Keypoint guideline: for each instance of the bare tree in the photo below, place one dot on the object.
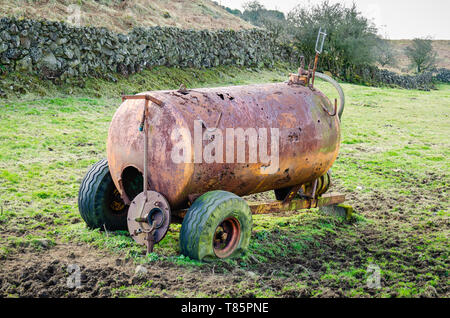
(252, 5)
(421, 54)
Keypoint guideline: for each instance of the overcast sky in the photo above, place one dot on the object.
(396, 19)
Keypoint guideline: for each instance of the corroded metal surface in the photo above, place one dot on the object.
(148, 215)
(296, 204)
(309, 138)
(328, 199)
(226, 238)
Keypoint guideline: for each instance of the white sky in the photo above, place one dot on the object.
(396, 19)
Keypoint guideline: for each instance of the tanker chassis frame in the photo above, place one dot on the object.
(329, 203)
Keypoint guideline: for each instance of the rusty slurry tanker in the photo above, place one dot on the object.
(157, 170)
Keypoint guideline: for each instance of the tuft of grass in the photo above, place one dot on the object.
(77, 94)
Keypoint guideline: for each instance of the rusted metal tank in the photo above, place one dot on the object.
(309, 139)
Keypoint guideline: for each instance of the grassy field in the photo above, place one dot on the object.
(393, 166)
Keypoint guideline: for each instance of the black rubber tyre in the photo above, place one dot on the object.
(280, 194)
(99, 202)
(210, 216)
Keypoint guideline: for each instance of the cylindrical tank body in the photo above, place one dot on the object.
(308, 142)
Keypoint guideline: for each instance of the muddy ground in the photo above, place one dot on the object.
(47, 273)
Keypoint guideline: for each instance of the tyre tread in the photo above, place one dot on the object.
(89, 196)
(198, 215)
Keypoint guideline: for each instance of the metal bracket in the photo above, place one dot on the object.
(318, 49)
(320, 35)
(335, 109)
(183, 90)
(146, 97)
(294, 190)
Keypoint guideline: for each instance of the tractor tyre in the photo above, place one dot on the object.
(218, 224)
(99, 202)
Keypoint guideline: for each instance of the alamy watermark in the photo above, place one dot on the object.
(374, 276)
(190, 149)
(74, 279)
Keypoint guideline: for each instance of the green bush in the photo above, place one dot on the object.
(351, 38)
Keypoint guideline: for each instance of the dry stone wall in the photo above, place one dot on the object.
(58, 50)
(55, 49)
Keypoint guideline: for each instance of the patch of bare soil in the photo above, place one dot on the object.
(54, 273)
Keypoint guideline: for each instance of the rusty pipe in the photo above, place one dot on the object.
(316, 60)
(338, 87)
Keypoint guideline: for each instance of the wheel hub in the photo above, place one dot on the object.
(226, 237)
(148, 217)
(117, 205)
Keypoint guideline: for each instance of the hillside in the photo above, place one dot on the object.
(123, 15)
(442, 48)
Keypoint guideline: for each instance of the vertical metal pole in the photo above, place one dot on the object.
(314, 69)
(313, 194)
(145, 149)
(318, 49)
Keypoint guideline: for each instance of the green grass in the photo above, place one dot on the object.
(94, 91)
(393, 165)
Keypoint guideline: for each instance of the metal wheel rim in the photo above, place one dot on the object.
(224, 246)
(117, 205)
